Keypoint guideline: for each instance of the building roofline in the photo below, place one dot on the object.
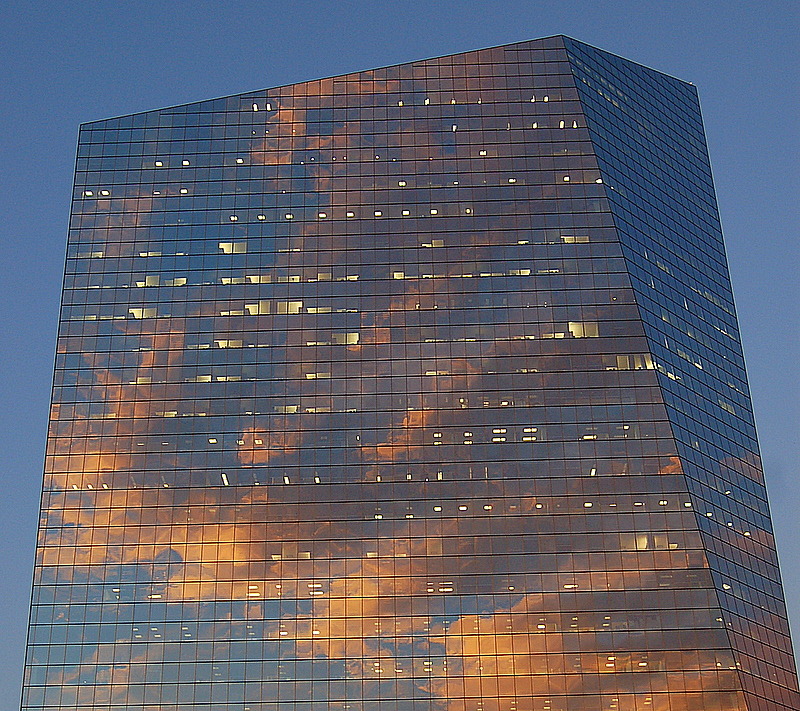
(385, 66)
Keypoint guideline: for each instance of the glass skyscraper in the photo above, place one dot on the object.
(414, 389)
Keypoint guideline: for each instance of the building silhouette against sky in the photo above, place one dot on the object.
(417, 388)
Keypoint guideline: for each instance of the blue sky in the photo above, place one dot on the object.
(65, 63)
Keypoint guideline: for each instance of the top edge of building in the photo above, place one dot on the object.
(562, 42)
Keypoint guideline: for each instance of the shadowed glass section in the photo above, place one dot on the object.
(648, 134)
(356, 408)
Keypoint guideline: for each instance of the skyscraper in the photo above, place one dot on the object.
(417, 388)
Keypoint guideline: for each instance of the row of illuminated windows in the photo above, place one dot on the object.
(543, 409)
(436, 85)
(509, 217)
(469, 255)
(653, 479)
(314, 443)
(523, 249)
(472, 214)
(306, 122)
(250, 165)
(156, 470)
(630, 551)
(488, 231)
(483, 409)
(497, 364)
(476, 433)
(498, 230)
(217, 411)
(678, 581)
(480, 170)
(411, 570)
(400, 308)
(419, 173)
(536, 179)
(210, 211)
(338, 691)
(340, 695)
(561, 277)
(553, 288)
(356, 122)
(674, 652)
(234, 621)
(158, 682)
(499, 101)
(200, 402)
(553, 284)
(560, 140)
(563, 140)
(461, 307)
(104, 506)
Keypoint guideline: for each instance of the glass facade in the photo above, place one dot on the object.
(417, 388)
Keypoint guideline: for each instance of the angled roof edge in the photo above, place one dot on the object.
(173, 107)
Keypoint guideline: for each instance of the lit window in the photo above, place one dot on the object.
(402, 183)
(185, 162)
(351, 214)
(88, 193)
(535, 124)
(378, 213)
(322, 215)
(289, 216)
(255, 107)
(406, 213)
(262, 217)
(233, 247)
(240, 160)
(233, 218)
(159, 164)
(481, 153)
(184, 191)
(566, 178)
(583, 329)
(434, 212)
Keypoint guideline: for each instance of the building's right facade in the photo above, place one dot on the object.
(647, 135)
(416, 389)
